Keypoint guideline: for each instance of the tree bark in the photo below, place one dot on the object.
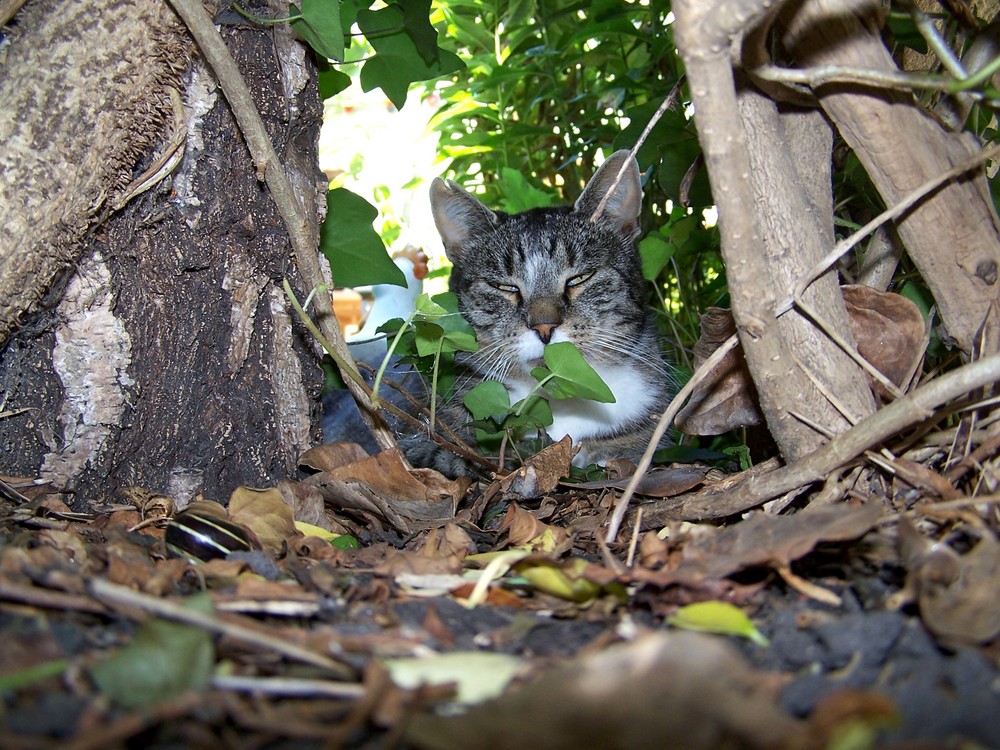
(952, 235)
(171, 361)
(772, 222)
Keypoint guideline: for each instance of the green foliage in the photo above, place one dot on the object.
(356, 253)
(164, 660)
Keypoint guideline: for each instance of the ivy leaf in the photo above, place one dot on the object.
(398, 61)
(655, 251)
(567, 375)
(519, 194)
(164, 660)
(320, 27)
(416, 19)
(487, 399)
(356, 253)
(331, 80)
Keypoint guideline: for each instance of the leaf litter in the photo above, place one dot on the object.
(375, 605)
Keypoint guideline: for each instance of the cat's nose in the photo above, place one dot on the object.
(544, 331)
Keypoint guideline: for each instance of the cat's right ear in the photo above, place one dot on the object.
(459, 216)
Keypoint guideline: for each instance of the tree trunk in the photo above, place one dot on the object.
(171, 361)
(773, 222)
(952, 234)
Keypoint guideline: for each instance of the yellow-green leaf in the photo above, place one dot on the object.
(717, 617)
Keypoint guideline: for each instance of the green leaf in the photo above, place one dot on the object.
(487, 399)
(519, 194)
(428, 337)
(398, 61)
(356, 253)
(331, 80)
(320, 27)
(572, 375)
(717, 617)
(416, 19)
(164, 660)
(655, 252)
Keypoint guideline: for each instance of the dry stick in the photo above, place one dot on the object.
(661, 428)
(667, 103)
(122, 596)
(912, 409)
(217, 55)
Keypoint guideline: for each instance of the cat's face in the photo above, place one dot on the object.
(547, 275)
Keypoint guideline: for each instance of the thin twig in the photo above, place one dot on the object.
(122, 596)
(661, 428)
(667, 103)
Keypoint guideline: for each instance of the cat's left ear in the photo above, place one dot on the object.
(625, 200)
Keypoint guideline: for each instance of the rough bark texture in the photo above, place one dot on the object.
(78, 112)
(171, 361)
(952, 235)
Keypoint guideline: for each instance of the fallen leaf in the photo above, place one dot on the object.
(526, 531)
(541, 473)
(330, 456)
(265, 513)
(477, 675)
(164, 660)
(725, 399)
(889, 332)
(764, 539)
(717, 617)
(561, 580)
(956, 594)
(382, 486)
(664, 481)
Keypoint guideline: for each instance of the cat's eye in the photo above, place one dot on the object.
(507, 288)
(578, 279)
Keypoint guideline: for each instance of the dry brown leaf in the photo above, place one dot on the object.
(957, 594)
(725, 399)
(692, 691)
(382, 486)
(265, 513)
(330, 456)
(524, 530)
(306, 503)
(763, 539)
(541, 473)
(450, 540)
(888, 331)
(666, 481)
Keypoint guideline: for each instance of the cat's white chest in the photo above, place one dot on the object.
(582, 419)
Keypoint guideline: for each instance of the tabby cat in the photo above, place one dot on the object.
(549, 275)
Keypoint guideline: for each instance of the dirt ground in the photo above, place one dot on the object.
(523, 629)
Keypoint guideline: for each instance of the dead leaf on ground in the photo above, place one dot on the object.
(888, 329)
(889, 332)
(725, 399)
(664, 481)
(330, 456)
(957, 594)
(541, 473)
(382, 486)
(692, 691)
(265, 513)
(524, 530)
(763, 539)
